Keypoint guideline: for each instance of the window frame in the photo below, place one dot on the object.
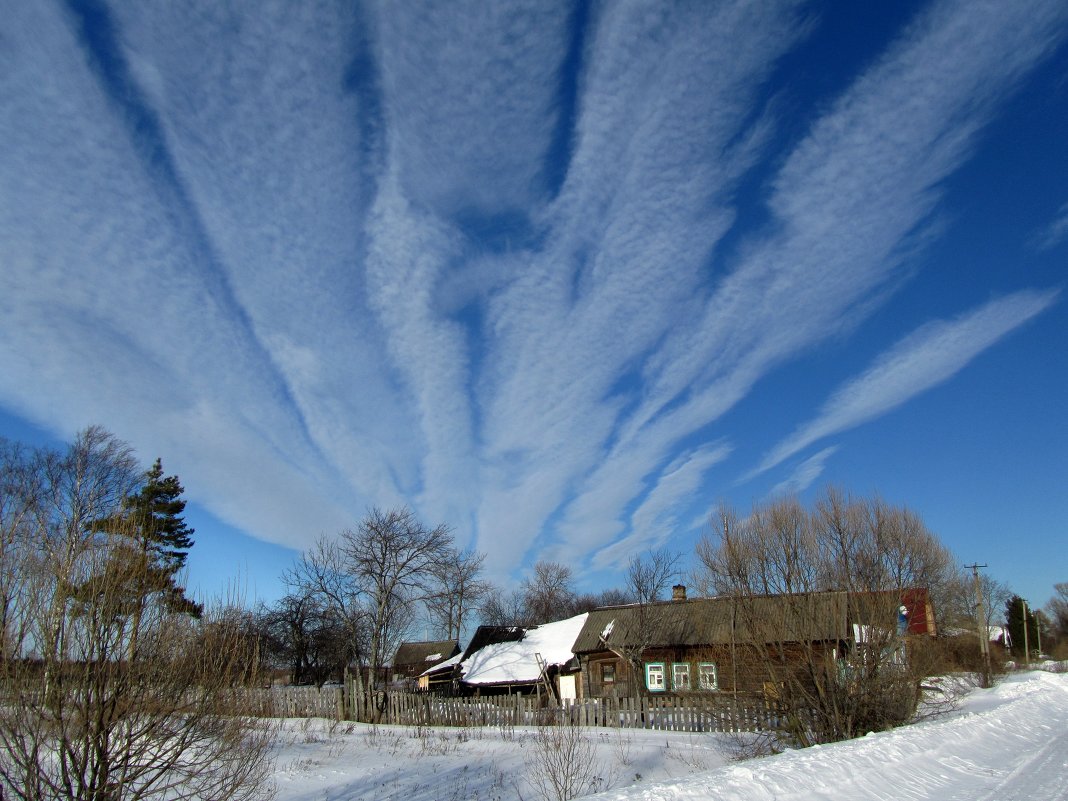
(715, 676)
(656, 667)
(675, 676)
(608, 673)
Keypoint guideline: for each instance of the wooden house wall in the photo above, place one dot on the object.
(741, 669)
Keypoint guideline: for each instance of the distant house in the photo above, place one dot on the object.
(514, 660)
(415, 658)
(717, 644)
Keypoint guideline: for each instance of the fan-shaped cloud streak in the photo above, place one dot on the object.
(517, 264)
(922, 360)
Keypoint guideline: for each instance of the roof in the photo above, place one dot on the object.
(424, 653)
(516, 660)
(443, 667)
(801, 617)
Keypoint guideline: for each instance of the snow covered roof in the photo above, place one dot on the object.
(516, 661)
(441, 666)
(417, 654)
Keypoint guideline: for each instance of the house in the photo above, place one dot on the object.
(415, 658)
(721, 644)
(515, 660)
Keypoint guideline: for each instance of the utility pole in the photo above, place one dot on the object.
(1027, 646)
(983, 631)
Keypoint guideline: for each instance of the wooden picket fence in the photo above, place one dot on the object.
(685, 713)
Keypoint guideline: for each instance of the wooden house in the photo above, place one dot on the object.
(413, 659)
(506, 660)
(711, 645)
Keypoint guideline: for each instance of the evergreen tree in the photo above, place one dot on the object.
(148, 541)
(1014, 621)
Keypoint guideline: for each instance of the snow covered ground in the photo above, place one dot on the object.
(1007, 743)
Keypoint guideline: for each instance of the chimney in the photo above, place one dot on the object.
(678, 592)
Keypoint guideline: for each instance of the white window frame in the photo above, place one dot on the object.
(655, 668)
(702, 671)
(675, 672)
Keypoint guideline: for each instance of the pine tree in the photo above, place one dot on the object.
(148, 541)
(1014, 621)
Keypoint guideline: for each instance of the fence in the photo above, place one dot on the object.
(692, 713)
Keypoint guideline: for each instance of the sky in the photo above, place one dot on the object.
(563, 276)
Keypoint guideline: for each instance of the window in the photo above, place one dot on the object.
(608, 673)
(706, 676)
(680, 676)
(654, 677)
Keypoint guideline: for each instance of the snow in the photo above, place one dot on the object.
(505, 662)
(448, 663)
(1007, 743)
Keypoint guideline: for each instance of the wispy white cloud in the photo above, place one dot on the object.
(805, 474)
(466, 256)
(1055, 232)
(924, 359)
(846, 203)
(663, 135)
(657, 518)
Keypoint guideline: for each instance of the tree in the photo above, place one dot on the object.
(1057, 609)
(650, 574)
(301, 634)
(373, 576)
(501, 608)
(151, 540)
(456, 591)
(393, 557)
(1022, 625)
(81, 716)
(864, 551)
(324, 593)
(548, 593)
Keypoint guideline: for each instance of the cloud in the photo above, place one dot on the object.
(804, 475)
(492, 260)
(927, 357)
(847, 203)
(657, 518)
(1054, 233)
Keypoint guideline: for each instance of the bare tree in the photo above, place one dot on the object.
(548, 592)
(323, 580)
(303, 635)
(650, 574)
(501, 608)
(1058, 608)
(373, 577)
(393, 557)
(801, 580)
(81, 717)
(456, 591)
(562, 763)
(20, 495)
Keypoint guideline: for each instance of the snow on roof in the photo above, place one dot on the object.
(608, 629)
(448, 663)
(433, 657)
(506, 662)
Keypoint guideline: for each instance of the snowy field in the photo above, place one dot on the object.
(1007, 743)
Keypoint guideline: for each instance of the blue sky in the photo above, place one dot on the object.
(562, 275)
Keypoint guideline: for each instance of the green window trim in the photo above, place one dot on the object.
(655, 670)
(676, 683)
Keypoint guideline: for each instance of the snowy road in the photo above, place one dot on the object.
(1011, 743)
